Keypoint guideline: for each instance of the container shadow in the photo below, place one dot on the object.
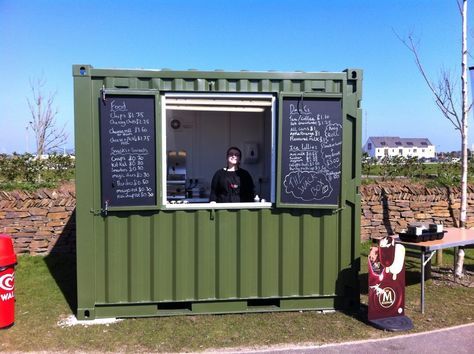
(349, 286)
(61, 263)
(364, 283)
(352, 308)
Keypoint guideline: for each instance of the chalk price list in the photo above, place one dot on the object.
(130, 137)
(313, 153)
(306, 139)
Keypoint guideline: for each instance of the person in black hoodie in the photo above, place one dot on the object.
(232, 184)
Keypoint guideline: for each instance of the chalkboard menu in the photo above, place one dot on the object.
(127, 143)
(311, 131)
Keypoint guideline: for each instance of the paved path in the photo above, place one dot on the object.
(459, 339)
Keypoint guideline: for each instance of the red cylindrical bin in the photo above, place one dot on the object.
(7, 282)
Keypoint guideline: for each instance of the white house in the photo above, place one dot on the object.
(390, 146)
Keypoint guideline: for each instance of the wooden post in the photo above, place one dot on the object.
(439, 257)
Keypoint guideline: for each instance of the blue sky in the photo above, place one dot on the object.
(45, 38)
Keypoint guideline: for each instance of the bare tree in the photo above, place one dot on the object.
(43, 123)
(445, 95)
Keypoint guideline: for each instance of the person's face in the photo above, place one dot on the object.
(233, 157)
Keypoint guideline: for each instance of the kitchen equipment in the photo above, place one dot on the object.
(176, 176)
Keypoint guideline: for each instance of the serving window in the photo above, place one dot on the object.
(197, 130)
(162, 151)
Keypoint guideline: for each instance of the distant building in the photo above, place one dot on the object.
(391, 146)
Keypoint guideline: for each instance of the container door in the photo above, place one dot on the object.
(129, 150)
(310, 138)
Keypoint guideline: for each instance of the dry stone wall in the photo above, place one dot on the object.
(43, 222)
(40, 222)
(387, 208)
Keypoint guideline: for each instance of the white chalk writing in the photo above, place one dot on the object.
(130, 140)
(313, 142)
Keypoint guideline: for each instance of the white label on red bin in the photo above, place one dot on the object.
(7, 282)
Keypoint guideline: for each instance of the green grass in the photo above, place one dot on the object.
(428, 169)
(26, 186)
(33, 186)
(45, 294)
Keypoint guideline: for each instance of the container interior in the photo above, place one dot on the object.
(198, 130)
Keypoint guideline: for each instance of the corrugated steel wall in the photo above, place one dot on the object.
(184, 255)
(134, 263)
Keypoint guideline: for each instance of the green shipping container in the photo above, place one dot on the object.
(148, 142)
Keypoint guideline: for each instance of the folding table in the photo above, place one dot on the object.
(452, 238)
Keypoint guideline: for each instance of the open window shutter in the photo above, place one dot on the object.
(128, 145)
(310, 141)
